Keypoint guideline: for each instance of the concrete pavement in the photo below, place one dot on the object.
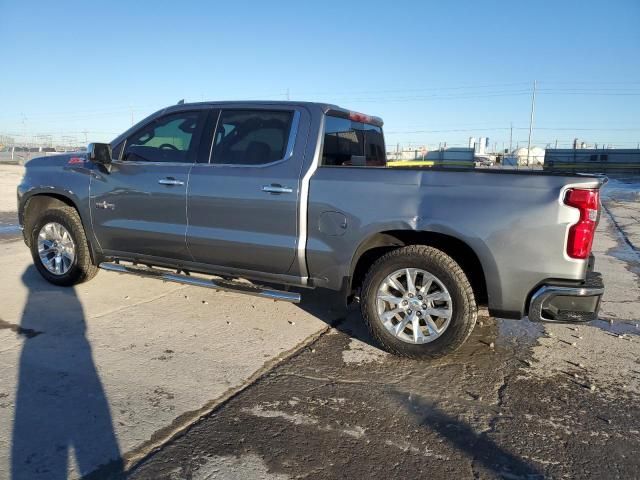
(119, 364)
(10, 176)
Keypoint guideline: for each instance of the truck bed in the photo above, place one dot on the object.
(514, 221)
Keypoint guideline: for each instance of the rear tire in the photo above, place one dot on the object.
(76, 265)
(437, 303)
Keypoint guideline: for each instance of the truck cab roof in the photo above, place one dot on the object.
(327, 108)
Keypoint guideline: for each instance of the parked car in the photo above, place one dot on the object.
(298, 194)
(484, 162)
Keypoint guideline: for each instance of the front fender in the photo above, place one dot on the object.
(55, 178)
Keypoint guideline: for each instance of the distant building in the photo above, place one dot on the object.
(519, 157)
(480, 146)
(593, 159)
(6, 140)
(408, 153)
(443, 157)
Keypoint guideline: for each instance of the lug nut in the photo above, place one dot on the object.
(411, 295)
(404, 302)
(419, 297)
(409, 312)
(419, 313)
(424, 306)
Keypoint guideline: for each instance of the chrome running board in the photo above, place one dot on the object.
(216, 284)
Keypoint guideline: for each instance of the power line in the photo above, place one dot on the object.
(490, 129)
(599, 94)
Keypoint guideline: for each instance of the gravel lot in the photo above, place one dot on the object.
(188, 383)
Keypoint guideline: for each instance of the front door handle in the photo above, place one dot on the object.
(276, 188)
(170, 181)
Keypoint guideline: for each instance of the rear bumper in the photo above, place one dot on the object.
(568, 304)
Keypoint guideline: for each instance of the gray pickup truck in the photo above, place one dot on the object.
(239, 195)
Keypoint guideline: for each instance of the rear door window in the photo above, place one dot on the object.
(170, 139)
(352, 144)
(251, 137)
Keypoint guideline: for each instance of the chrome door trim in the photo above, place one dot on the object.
(304, 205)
(293, 133)
(144, 163)
(213, 137)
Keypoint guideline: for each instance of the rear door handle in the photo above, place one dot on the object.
(276, 188)
(170, 181)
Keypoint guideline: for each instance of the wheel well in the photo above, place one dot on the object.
(383, 242)
(40, 203)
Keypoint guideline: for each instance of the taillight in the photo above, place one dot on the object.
(581, 234)
(359, 117)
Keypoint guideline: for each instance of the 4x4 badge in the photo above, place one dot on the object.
(104, 205)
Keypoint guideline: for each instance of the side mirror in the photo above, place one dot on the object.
(99, 153)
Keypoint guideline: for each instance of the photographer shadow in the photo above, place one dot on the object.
(60, 401)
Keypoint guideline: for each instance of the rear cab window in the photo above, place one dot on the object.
(351, 141)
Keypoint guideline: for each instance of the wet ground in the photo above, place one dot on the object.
(518, 400)
(343, 409)
(9, 228)
(622, 201)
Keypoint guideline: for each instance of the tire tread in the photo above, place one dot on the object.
(84, 269)
(469, 306)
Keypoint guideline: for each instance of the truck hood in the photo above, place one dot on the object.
(60, 160)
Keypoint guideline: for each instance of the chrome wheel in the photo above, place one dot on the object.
(56, 248)
(414, 305)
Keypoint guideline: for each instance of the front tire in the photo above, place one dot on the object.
(417, 302)
(60, 249)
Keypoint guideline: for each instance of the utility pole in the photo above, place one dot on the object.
(511, 139)
(24, 128)
(556, 143)
(533, 109)
(287, 94)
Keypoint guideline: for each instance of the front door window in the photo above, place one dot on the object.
(169, 139)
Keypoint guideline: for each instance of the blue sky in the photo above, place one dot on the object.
(435, 71)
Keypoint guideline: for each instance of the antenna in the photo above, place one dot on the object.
(181, 102)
